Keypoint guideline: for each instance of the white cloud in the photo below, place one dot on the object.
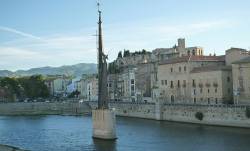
(11, 30)
(60, 49)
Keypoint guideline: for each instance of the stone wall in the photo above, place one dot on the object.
(42, 108)
(212, 114)
(140, 110)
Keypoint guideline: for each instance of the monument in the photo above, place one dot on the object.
(103, 118)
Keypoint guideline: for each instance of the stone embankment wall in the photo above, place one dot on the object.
(42, 108)
(127, 109)
(212, 114)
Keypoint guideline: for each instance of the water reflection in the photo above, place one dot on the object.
(69, 133)
(104, 145)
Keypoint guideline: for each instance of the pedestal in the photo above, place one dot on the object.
(104, 124)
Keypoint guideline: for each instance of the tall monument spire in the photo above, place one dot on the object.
(103, 118)
(102, 67)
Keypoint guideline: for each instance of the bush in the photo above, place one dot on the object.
(199, 115)
(248, 112)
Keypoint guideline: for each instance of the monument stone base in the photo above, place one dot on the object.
(104, 124)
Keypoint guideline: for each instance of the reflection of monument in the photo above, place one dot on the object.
(100, 145)
(103, 117)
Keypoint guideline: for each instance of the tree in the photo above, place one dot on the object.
(126, 53)
(113, 68)
(199, 115)
(120, 54)
(34, 86)
(12, 85)
(74, 94)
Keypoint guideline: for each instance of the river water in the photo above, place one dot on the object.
(73, 133)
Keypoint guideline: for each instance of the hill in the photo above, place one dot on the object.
(75, 70)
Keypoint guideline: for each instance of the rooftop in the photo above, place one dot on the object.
(245, 60)
(193, 59)
(211, 68)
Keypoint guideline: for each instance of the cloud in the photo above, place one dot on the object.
(11, 30)
(70, 48)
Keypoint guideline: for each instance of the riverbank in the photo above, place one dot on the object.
(219, 115)
(43, 108)
(9, 148)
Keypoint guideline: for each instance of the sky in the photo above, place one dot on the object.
(61, 32)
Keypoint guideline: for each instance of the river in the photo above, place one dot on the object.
(73, 133)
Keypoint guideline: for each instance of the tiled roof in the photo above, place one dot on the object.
(193, 59)
(211, 68)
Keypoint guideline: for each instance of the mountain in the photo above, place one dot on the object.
(75, 70)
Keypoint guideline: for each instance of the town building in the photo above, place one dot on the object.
(57, 85)
(241, 80)
(132, 81)
(179, 50)
(179, 78)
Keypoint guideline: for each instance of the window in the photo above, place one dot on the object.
(132, 81)
(172, 84)
(178, 84)
(208, 90)
(228, 79)
(166, 82)
(215, 90)
(172, 99)
(200, 90)
(194, 100)
(185, 68)
(162, 82)
(132, 88)
(193, 52)
(194, 83)
(171, 69)
(184, 83)
(216, 101)
(208, 102)
(194, 91)
(179, 69)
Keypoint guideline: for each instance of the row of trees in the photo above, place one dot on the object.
(25, 87)
(127, 53)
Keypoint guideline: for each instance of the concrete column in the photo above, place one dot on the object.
(104, 124)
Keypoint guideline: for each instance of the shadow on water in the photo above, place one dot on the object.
(104, 145)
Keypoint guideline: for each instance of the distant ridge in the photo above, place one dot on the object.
(71, 70)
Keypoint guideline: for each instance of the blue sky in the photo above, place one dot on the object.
(60, 32)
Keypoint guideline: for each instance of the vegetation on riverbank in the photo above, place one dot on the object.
(23, 87)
